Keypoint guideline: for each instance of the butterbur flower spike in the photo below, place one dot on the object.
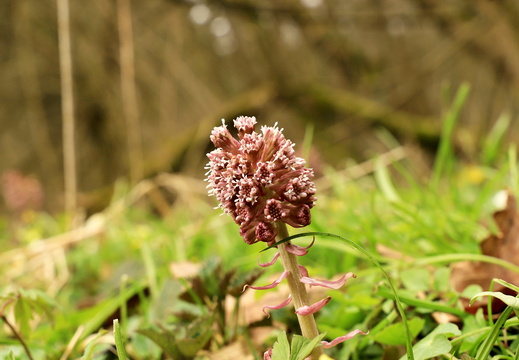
(258, 179)
(264, 186)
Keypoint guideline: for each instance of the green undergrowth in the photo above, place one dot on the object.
(64, 302)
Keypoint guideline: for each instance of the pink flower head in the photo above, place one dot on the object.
(258, 180)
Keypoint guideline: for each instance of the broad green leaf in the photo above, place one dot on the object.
(416, 279)
(281, 348)
(395, 334)
(435, 343)
(431, 347)
(302, 346)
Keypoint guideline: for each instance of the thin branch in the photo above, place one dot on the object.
(17, 335)
(67, 106)
(129, 91)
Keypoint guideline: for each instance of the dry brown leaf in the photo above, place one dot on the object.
(504, 245)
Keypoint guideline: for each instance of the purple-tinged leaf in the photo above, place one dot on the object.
(341, 339)
(337, 284)
(270, 286)
(276, 307)
(308, 310)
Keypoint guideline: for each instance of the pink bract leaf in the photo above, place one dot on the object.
(307, 310)
(341, 339)
(270, 286)
(276, 307)
(303, 271)
(327, 283)
(299, 250)
(270, 263)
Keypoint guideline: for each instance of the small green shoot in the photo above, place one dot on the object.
(299, 349)
(119, 343)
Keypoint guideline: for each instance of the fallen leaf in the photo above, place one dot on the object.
(504, 245)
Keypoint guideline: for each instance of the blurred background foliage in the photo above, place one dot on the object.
(342, 69)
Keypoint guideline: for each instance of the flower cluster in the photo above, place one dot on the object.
(258, 180)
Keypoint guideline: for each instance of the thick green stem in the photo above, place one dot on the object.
(297, 290)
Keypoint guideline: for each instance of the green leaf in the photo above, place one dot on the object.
(40, 302)
(23, 315)
(196, 335)
(511, 301)
(506, 284)
(432, 346)
(302, 346)
(281, 348)
(436, 342)
(10, 356)
(417, 279)
(395, 334)
(164, 339)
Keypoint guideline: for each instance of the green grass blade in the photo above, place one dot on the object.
(119, 344)
(494, 139)
(384, 182)
(431, 305)
(353, 244)
(488, 344)
(89, 350)
(445, 154)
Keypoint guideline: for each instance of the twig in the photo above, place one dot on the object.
(13, 329)
(129, 91)
(67, 106)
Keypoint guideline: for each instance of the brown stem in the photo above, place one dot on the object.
(18, 336)
(298, 290)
